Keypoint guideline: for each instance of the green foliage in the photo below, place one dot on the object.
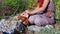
(22, 5)
(11, 3)
(50, 31)
(58, 14)
(32, 4)
(1, 17)
(27, 4)
(57, 4)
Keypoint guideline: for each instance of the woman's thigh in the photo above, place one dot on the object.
(41, 21)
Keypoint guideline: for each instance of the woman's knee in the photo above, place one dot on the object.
(32, 18)
(40, 22)
(37, 22)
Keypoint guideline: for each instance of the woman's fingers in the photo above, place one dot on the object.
(27, 11)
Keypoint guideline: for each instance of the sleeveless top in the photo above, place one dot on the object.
(49, 7)
(40, 3)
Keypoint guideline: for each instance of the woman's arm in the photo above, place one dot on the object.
(41, 9)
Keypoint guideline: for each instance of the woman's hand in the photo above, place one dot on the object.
(31, 12)
(28, 12)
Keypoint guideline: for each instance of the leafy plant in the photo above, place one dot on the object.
(32, 4)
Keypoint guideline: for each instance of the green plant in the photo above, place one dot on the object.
(32, 4)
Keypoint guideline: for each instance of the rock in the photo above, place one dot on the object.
(8, 25)
(34, 28)
(3, 20)
(49, 26)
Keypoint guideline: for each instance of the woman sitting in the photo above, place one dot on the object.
(43, 14)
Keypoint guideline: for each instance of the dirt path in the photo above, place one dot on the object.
(57, 26)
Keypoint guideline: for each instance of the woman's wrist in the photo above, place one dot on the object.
(30, 12)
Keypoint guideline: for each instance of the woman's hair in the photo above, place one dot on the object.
(40, 2)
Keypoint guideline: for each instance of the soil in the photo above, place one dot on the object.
(57, 26)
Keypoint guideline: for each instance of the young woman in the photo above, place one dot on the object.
(43, 14)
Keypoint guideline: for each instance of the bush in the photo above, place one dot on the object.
(21, 5)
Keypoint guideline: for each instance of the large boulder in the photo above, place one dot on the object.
(37, 30)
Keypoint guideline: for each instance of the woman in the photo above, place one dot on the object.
(43, 14)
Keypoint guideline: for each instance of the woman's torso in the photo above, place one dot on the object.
(50, 7)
